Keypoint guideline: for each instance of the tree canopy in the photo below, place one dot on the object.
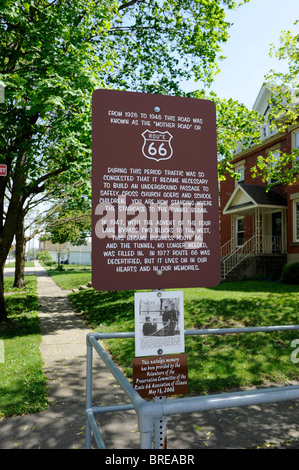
(54, 53)
(283, 111)
(159, 43)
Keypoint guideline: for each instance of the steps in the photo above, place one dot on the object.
(233, 259)
(266, 265)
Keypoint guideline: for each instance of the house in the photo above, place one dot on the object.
(259, 226)
(67, 253)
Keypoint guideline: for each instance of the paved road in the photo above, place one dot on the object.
(9, 272)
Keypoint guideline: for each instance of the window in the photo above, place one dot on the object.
(276, 157)
(240, 231)
(264, 131)
(239, 170)
(267, 130)
(296, 141)
(296, 220)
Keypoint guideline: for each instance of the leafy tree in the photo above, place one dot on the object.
(69, 223)
(237, 128)
(50, 73)
(283, 111)
(44, 255)
(54, 53)
(159, 43)
(29, 225)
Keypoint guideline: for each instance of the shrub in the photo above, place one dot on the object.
(290, 273)
(50, 263)
(44, 255)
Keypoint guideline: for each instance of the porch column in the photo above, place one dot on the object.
(233, 233)
(258, 231)
(284, 231)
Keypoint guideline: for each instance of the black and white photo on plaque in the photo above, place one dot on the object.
(159, 323)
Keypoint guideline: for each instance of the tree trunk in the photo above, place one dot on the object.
(20, 282)
(3, 312)
(7, 232)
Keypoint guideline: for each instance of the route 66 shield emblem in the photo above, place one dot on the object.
(156, 145)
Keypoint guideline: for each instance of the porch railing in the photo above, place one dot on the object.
(268, 244)
(273, 244)
(230, 261)
(226, 249)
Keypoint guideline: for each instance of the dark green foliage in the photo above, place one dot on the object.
(290, 273)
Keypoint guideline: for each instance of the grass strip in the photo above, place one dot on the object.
(70, 277)
(215, 363)
(22, 385)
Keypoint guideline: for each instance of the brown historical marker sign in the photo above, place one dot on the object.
(154, 192)
(158, 376)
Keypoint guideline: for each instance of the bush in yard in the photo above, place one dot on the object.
(290, 273)
(44, 256)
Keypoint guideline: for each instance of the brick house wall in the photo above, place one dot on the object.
(248, 159)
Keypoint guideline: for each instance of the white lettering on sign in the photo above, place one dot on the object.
(157, 145)
(151, 222)
(170, 207)
(186, 123)
(147, 218)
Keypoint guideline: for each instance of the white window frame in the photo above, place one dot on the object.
(240, 169)
(276, 154)
(237, 231)
(295, 140)
(296, 220)
(267, 130)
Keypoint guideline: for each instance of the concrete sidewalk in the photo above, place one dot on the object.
(62, 426)
(63, 350)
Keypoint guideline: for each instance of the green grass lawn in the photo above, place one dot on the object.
(216, 363)
(70, 276)
(28, 264)
(22, 385)
(223, 362)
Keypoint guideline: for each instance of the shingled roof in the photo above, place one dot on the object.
(264, 195)
(248, 196)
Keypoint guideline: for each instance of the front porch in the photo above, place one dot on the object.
(246, 262)
(258, 227)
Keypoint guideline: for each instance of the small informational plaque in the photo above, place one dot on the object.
(161, 375)
(159, 323)
(155, 212)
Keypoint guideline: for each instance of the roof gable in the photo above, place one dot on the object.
(247, 197)
(261, 104)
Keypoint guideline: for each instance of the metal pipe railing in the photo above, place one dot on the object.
(149, 412)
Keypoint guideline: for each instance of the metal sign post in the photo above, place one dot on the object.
(159, 433)
(159, 330)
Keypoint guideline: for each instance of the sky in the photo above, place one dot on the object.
(257, 25)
